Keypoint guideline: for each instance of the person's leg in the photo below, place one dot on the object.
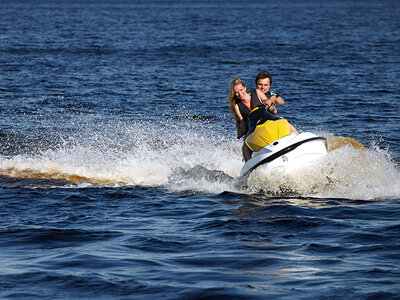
(246, 152)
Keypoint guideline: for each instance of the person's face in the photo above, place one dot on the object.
(263, 85)
(239, 91)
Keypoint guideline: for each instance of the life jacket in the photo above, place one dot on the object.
(244, 109)
(264, 128)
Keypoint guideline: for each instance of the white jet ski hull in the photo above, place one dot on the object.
(287, 154)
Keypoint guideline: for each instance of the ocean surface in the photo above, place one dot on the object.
(119, 162)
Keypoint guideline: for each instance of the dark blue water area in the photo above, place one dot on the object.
(119, 161)
(335, 63)
(140, 242)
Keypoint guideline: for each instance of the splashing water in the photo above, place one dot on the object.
(188, 157)
(142, 154)
(345, 172)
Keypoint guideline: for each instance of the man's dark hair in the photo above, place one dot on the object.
(262, 75)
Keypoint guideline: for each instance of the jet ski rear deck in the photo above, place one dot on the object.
(288, 153)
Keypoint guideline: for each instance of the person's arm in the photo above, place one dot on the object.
(273, 109)
(238, 115)
(270, 102)
(240, 123)
(276, 99)
(292, 129)
(264, 100)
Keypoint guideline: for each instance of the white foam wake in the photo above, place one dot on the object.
(199, 159)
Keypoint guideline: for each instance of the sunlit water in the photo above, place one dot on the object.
(120, 166)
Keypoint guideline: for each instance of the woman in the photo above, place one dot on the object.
(241, 104)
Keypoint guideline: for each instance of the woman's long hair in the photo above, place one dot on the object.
(231, 98)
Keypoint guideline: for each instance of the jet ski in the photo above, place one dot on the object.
(276, 148)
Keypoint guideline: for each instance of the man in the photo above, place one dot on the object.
(263, 83)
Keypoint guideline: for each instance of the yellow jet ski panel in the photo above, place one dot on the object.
(267, 133)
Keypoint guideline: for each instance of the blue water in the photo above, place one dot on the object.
(119, 161)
